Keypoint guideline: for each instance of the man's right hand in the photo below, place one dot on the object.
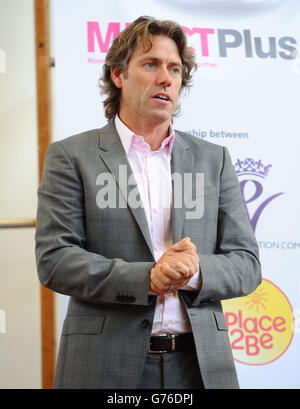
(175, 267)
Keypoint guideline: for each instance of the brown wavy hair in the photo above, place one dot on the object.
(141, 31)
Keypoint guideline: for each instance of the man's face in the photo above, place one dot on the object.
(151, 85)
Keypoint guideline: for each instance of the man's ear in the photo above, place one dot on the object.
(117, 76)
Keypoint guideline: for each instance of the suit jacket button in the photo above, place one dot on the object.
(145, 323)
(132, 298)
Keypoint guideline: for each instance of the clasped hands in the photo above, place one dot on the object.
(175, 267)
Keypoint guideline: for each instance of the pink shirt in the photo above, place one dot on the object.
(152, 171)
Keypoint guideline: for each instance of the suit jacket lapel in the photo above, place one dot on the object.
(182, 162)
(112, 153)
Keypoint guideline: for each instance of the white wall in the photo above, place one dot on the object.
(20, 345)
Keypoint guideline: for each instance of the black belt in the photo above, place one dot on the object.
(170, 343)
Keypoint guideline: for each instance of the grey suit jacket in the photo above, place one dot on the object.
(102, 259)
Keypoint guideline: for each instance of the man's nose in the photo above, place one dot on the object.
(164, 77)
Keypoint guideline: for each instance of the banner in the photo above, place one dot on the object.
(245, 96)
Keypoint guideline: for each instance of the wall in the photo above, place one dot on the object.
(20, 344)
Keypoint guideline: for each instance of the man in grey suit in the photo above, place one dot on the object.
(115, 231)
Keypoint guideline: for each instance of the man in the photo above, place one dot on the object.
(145, 274)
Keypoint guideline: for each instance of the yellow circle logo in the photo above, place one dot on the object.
(260, 325)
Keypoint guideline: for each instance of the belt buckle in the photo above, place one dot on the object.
(149, 351)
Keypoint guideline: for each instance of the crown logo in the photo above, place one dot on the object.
(249, 166)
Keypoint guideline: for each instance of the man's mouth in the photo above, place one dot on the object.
(162, 97)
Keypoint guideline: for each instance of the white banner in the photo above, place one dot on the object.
(246, 96)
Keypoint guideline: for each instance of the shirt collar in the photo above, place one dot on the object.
(129, 138)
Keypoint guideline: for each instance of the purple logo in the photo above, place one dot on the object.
(251, 187)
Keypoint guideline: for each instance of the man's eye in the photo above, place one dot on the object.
(175, 70)
(149, 64)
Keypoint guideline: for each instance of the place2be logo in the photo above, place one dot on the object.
(260, 325)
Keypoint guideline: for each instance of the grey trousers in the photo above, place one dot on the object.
(172, 370)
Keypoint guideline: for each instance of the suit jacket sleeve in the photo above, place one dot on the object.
(63, 263)
(234, 270)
